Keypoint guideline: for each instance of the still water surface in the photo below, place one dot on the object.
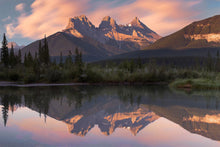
(109, 116)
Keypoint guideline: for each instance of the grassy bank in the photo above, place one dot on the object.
(196, 84)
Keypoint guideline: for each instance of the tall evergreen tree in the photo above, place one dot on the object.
(43, 52)
(69, 60)
(36, 65)
(209, 62)
(25, 60)
(19, 57)
(29, 59)
(46, 52)
(40, 52)
(78, 61)
(139, 63)
(78, 57)
(12, 59)
(61, 58)
(5, 103)
(217, 65)
(4, 51)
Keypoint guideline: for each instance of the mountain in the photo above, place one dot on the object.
(97, 42)
(133, 36)
(195, 39)
(15, 45)
(200, 34)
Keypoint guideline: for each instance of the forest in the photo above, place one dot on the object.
(185, 72)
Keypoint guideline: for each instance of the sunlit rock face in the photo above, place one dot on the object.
(133, 36)
(200, 34)
(96, 43)
(208, 37)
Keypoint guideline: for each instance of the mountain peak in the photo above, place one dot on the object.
(137, 23)
(108, 22)
(82, 18)
(79, 21)
(136, 19)
(108, 18)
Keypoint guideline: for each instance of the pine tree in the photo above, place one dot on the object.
(40, 52)
(5, 103)
(25, 60)
(78, 61)
(217, 65)
(36, 65)
(35, 56)
(46, 52)
(139, 63)
(29, 59)
(19, 57)
(4, 52)
(209, 62)
(12, 59)
(43, 52)
(69, 60)
(77, 56)
(61, 58)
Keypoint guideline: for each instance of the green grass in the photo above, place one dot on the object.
(196, 84)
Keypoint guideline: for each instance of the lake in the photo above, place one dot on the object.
(112, 116)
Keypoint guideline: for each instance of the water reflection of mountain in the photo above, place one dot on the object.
(81, 108)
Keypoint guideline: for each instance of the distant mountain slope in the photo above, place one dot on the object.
(15, 45)
(97, 43)
(196, 39)
(200, 34)
(63, 42)
(165, 52)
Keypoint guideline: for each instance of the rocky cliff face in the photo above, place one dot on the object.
(97, 43)
(133, 36)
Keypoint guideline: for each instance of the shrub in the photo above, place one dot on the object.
(30, 78)
(3, 76)
(92, 76)
(53, 76)
(14, 76)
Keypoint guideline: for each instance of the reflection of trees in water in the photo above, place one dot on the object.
(5, 104)
(9, 100)
(40, 98)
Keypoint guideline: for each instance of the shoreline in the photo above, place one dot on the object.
(196, 84)
(21, 85)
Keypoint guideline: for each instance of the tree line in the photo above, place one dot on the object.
(40, 68)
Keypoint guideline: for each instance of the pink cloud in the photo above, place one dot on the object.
(20, 7)
(48, 17)
(163, 16)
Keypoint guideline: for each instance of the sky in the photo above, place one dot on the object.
(25, 21)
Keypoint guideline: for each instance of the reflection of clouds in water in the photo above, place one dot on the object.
(113, 111)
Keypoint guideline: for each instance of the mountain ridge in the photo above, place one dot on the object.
(97, 43)
(199, 34)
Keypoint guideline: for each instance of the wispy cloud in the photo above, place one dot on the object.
(47, 17)
(20, 7)
(10, 30)
(6, 19)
